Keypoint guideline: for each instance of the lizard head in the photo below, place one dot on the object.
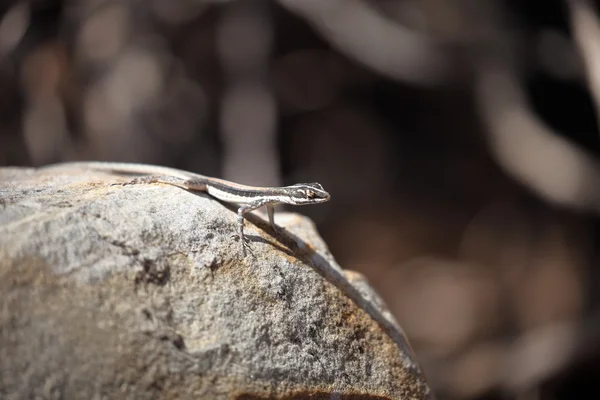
(307, 193)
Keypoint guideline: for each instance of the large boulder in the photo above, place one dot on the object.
(142, 292)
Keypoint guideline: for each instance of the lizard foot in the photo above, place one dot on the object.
(246, 248)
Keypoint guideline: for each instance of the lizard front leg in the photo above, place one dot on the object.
(271, 214)
(242, 210)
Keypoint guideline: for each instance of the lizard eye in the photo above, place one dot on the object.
(303, 193)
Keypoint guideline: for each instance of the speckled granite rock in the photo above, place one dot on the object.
(142, 292)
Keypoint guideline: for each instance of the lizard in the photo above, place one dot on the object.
(247, 198)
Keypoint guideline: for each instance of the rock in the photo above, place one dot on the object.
(142, 292)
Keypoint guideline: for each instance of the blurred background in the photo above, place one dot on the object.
(458, 139)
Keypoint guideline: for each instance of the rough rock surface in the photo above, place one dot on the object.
(142, 292)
